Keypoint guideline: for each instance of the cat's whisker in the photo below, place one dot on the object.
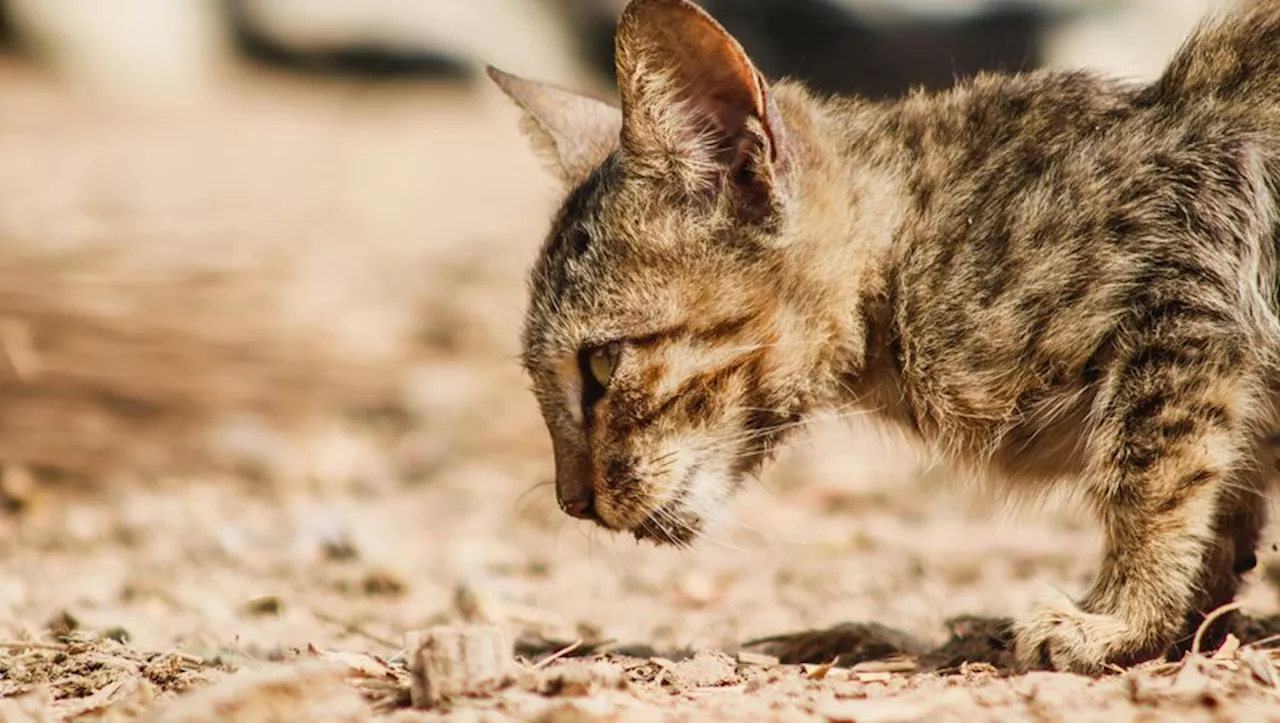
(669, 516)
(735, 441)
(722, 443)
(663, 459)
(516, 505)
(766, 534)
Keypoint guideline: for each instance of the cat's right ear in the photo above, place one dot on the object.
(697, 111)
(573, 133)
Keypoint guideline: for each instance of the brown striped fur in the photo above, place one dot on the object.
(1049, 278)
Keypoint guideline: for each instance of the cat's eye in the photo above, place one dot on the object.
(601, 362)
(597, 365)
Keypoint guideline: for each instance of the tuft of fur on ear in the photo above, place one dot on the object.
(571, 132)
(696, 108)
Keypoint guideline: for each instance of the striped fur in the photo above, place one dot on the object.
(1049, 278)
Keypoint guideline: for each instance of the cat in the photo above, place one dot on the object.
(1052, 278)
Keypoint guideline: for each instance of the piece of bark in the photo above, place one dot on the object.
(449, 661)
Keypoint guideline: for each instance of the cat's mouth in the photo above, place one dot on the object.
(669, 525)
(672, 523)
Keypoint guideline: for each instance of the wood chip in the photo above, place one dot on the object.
(889, 665)
(1228, 649)
(450, 661)
(747, 657)
(821, 671)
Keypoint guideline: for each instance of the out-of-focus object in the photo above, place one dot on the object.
(143, 51)
(880, 48)
(409, 35)
(883, 48)
(171, 49)
(1132, 39)
(449, 661)
(874, 48)
(174, 50)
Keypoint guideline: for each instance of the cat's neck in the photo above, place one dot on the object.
(876, 180)
(850, 200)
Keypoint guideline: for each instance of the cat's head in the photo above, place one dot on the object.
(662, 347)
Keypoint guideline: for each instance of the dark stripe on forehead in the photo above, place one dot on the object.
(720, 329)
(582, 206)
(708, 332)
(570, 235)
(659, 335)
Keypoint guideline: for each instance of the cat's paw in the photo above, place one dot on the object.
(1059, 635)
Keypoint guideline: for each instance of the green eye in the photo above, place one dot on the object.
(602, 361)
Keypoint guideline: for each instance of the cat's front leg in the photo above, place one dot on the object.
(1171, 448)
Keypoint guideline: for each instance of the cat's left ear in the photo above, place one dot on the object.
(573, 133)
(696, 108)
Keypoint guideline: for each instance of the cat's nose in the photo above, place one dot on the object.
(582, 505)
(573, 481)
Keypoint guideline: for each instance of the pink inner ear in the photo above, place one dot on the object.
(721, 86)
(672, 50)
(718, 78)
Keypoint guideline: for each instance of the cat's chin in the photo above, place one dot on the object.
(669, 526)
(681, 520)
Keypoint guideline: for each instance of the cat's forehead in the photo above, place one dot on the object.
(608, 267)
(616, 210)
(586, 201)
(574, 239)
(609, 229)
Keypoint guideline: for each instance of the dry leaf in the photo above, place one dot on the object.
(1228, 649)
(1259, 663)
(819, 672)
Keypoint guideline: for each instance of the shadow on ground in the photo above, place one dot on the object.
(971, 639)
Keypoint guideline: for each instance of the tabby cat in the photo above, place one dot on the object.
(1051, 278)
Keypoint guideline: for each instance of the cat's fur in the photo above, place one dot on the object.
(1052, 277)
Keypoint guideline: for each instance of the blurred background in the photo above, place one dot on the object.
(261, 281)
(150, 48)
(290, 181)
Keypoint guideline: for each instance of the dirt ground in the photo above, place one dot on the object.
(276, 575)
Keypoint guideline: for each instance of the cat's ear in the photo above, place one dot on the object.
(695, 107)
(573, 133)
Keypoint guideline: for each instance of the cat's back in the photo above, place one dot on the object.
(1059, 163)
(1056, 213)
